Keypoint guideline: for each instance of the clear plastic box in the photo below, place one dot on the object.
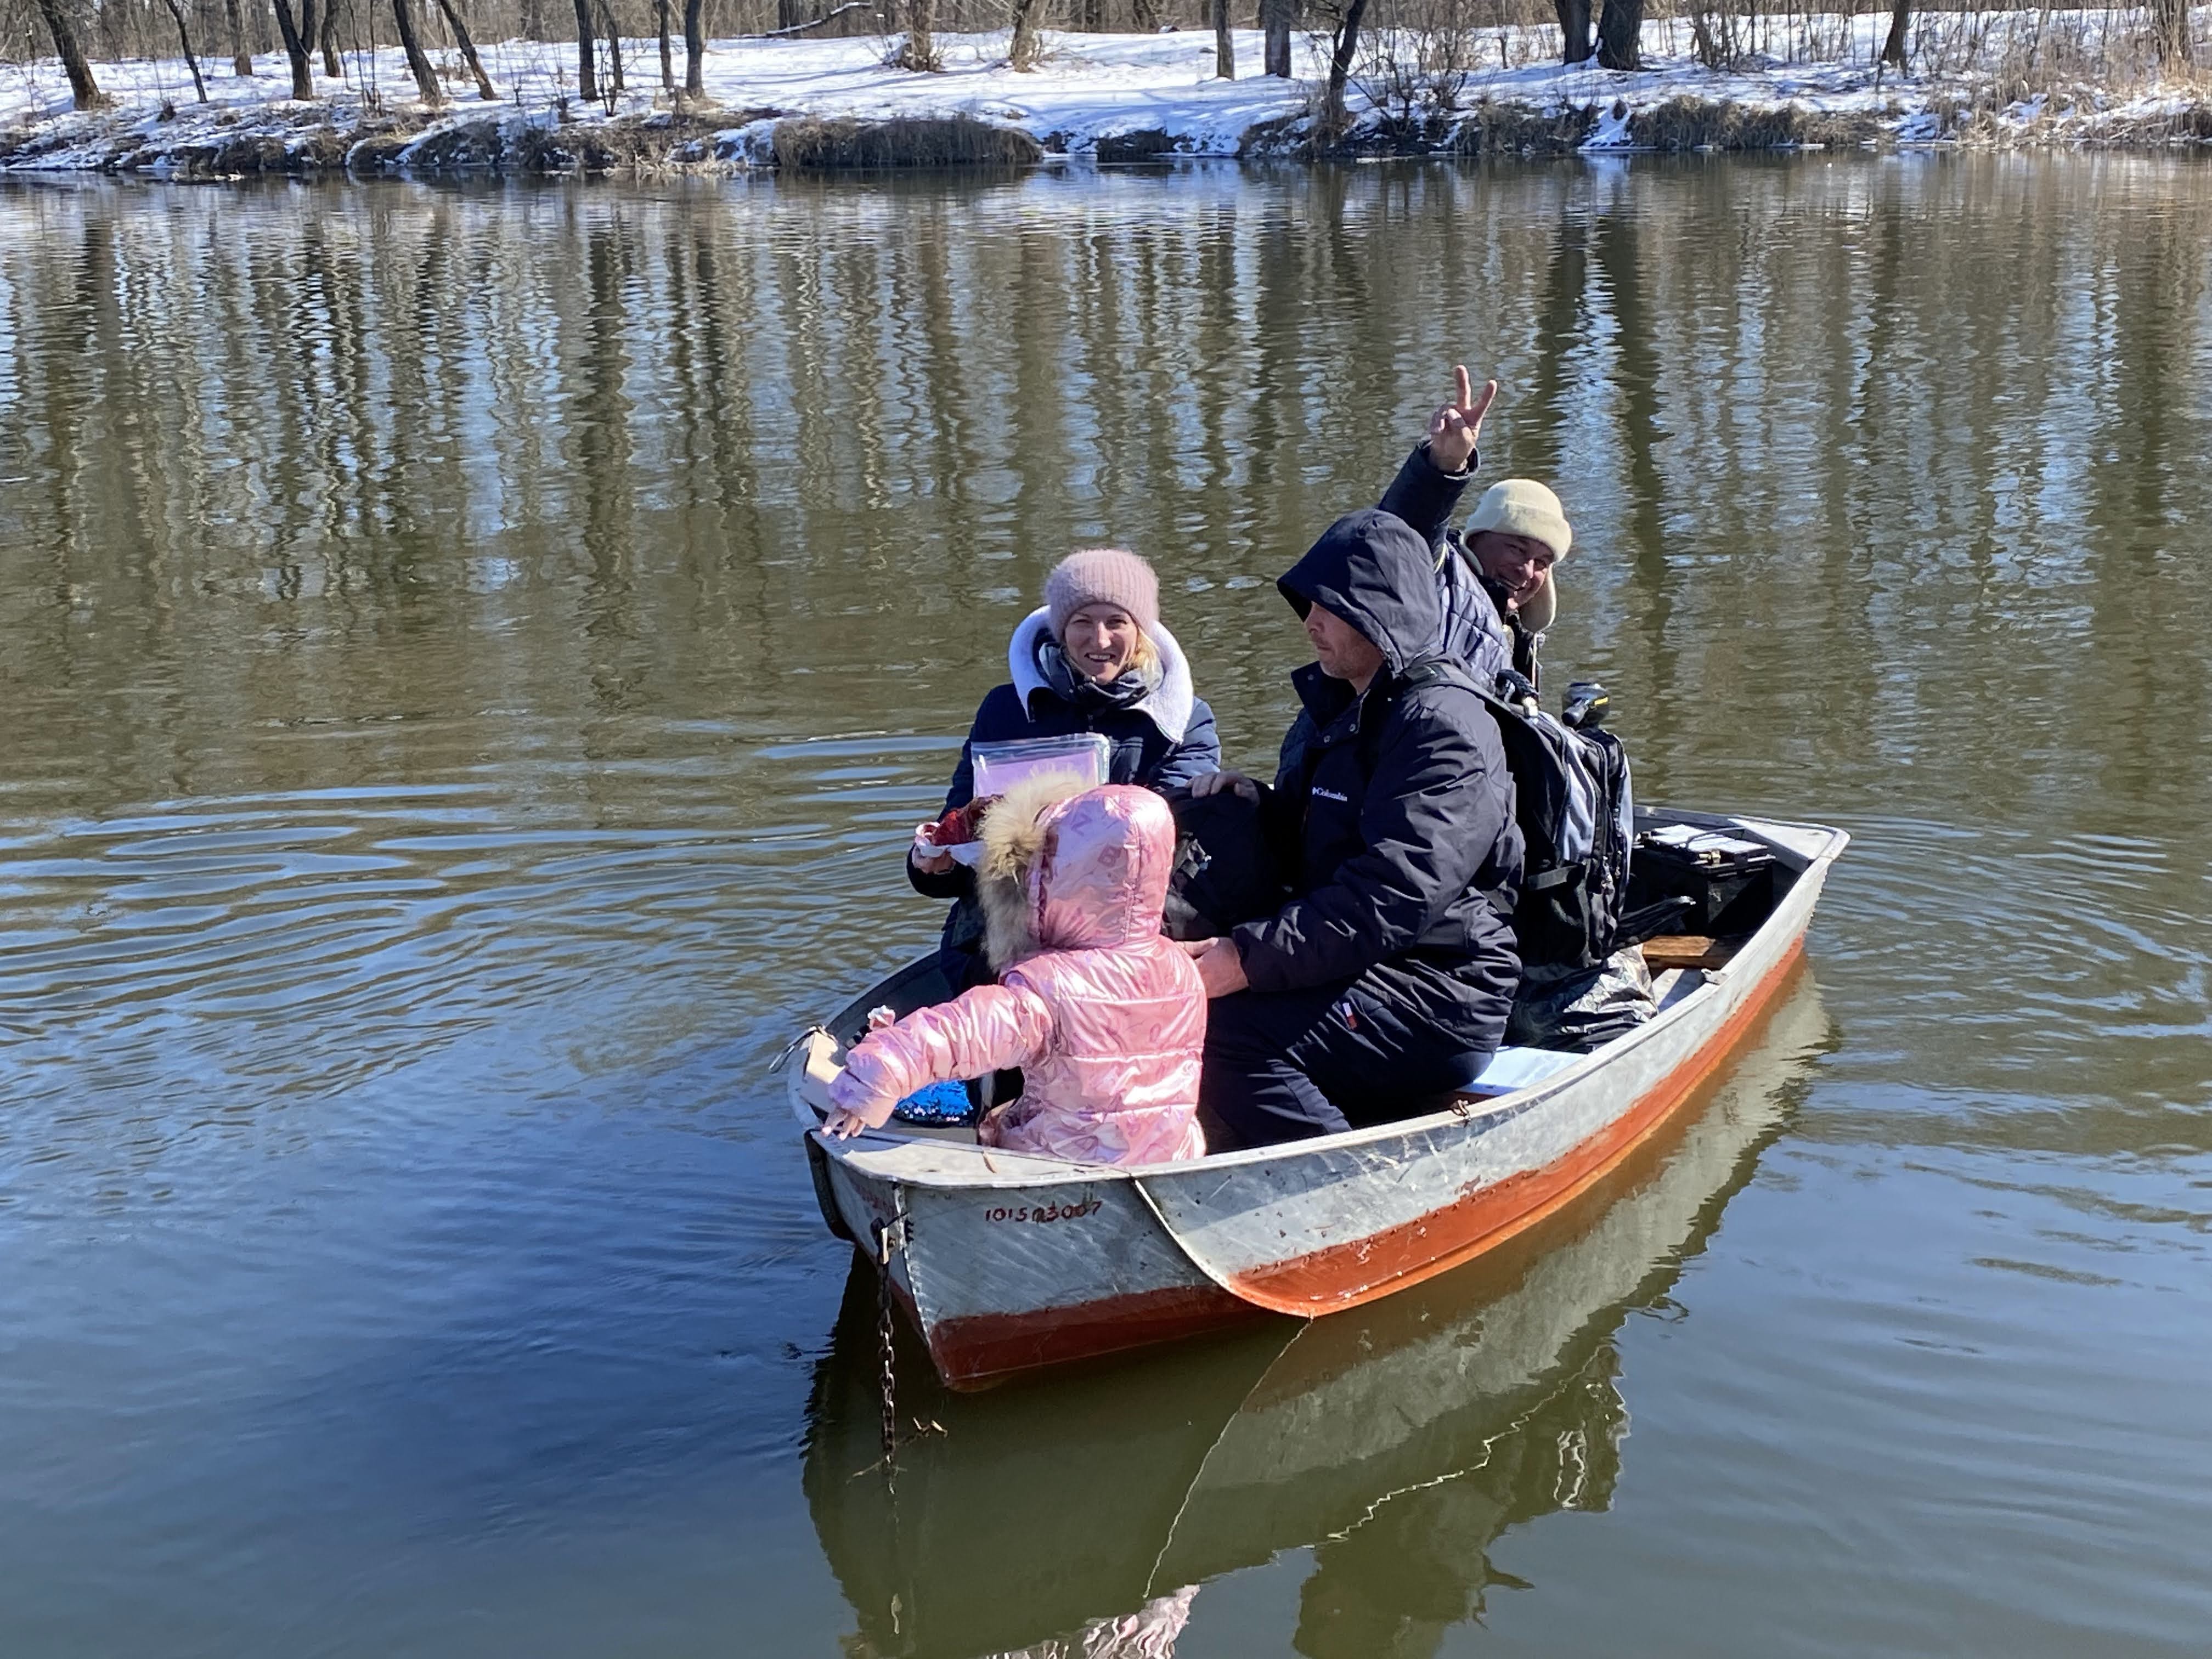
(1083, 757)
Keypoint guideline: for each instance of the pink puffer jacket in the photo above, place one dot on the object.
(1106, 1019)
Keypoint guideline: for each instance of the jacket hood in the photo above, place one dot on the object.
(1373, 569)
(1168, 705)
(1102, 879)
(1067, 871)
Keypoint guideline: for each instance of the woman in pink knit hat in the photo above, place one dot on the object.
(1094, 657)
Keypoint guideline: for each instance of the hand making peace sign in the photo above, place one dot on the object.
(1453, 429)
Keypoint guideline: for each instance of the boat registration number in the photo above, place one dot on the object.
(1043, 1211)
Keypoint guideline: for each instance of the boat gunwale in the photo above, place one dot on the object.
(1052, 1172)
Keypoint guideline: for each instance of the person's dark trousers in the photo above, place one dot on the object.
(1289, 1065)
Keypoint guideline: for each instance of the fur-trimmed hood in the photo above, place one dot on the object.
(1064, 870)
(1168, 705)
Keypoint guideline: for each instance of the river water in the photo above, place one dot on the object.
(471, 658)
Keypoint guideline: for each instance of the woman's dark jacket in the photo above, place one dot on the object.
(1140, 752)
(1399, 805)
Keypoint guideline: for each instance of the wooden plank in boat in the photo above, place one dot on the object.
(1689, 951)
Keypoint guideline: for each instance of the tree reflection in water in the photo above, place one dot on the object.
(1076, 1517)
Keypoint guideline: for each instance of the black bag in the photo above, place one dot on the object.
(1724, 883)
(1226, 869)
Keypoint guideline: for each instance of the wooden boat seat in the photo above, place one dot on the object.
(1689, 950)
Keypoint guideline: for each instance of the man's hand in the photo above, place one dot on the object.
(1212, 783)
(934, 864)
(1221, 970)
(1454, 429)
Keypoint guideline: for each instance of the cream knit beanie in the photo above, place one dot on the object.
(1101, 575)
(1522, 506)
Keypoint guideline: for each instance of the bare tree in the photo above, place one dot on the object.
(467, 44)
(1900, 20)
(1023, 47)
(667, 57)
(185, 38)
(1620, 34)
(919, 51)
(1224, 44)
(2170, 31)
(295, 46)
(329, 36)
(1279, 18)
(614, 45)
(418, 61)
(694, 50)
(1574, 30)
(587, 77)
(1339, 65)
(241, 60)
(84, 91)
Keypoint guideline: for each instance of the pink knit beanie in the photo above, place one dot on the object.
(1103, 575)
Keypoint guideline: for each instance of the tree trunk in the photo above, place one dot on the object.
(587, 76)
(466, 43)
(1339, 65)
(185, 38)
(614, 45)
(296, 49)
(695, 48)
(919, 52)
(1574, 30)
(1093, 20)
(2170, 26)
(331, 67)
(84, 91)
(668, 55)
(1224, 44)
(1620, 35)
(241, 60)
(1022, 49)
(418, 61)
(1900, 18)
(786, 15)
(1279, 18)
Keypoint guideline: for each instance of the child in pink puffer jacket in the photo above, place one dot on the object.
(1105, 1016)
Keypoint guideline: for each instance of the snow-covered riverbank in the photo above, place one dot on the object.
(1110, 97)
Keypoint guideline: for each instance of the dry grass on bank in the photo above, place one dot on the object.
(817, 146)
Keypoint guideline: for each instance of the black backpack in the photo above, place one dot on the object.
(1576, 814)
(1226, 869)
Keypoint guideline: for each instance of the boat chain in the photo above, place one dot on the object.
(886, 1340)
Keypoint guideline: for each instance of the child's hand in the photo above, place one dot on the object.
(845, 1121)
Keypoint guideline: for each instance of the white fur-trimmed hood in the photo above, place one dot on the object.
(1168, 706)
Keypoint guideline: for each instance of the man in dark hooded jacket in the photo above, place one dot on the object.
(1384, 983)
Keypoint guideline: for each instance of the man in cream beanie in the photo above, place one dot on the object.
(1495, 579)
(1514, 536)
